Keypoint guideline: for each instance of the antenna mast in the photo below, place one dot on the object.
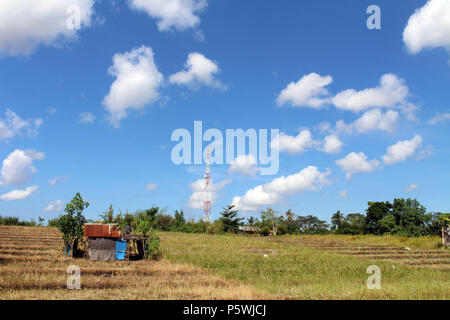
(207, 187)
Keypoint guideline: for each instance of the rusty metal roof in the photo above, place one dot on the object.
(102, 231)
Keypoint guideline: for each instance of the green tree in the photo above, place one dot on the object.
(312, 225)
(271, 218)
(71, 224)
(290, 222)
(108, 216)
(230, 220)
(374, 213)
(337, 222)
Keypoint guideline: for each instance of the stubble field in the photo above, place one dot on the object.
(33, 266)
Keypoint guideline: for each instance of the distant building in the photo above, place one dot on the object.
(251, 230)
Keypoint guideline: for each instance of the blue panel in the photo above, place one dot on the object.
(121, 246)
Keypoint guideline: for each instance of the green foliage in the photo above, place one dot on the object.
(108, 216)
(53, 222)
(152, 247)
(374, 213)
(312, 225)
(71, 224)
(229, 219)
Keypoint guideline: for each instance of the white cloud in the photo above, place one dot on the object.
(357, 163)
(428, 27)
(309, 91)
(439, 118)
(332, 144)
(343, 194)
(392, 92)
(402, 150)
(19, 194)
(172, 14)
(290, 144)
(245, 165)
(198, 196)
(12, 125)
(425, 153)
(151, 186)
(309, 179)
(371, 120)
(200, 71)
(55, 206)
(52, 182)
(412, 187)
(18, 167)
(26, 24)
(86, 117)
(136, 85)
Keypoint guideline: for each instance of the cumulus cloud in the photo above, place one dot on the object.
(136, 85)
(151, 186)
(19, 194)
(274, 192)
(198, 196)
(52, 182)
(371, 120)
(26, 24)
(291, 144)
(309, 91)
(18, 167)
(245, 165)
(439, 118)
(412, 187)
(357, 163)
(12, 125)
(402, 150)
(200, 71)
(55, 206)
(332, 144)
(428, 27)
(86, 117)
(172, 14)
(392, 92)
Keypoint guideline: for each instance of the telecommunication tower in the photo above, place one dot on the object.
(207, 188)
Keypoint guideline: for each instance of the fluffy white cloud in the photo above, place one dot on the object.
(309, 179)
(26, 24)
(151, 186)
(402, 150)
(371, 120)
(357, 163)
(290, 144)
(136, 85)
(245, 165)
(309, 91)
(332, 144)
(12, 125)
(412, 187)
(439, 118)
(200, 71)
(178, 14)
(428, 27)
(18, 167)
(343, 194)
(392, 92)
(19, 194)
(55, 206)
(52, 182)
(198, 196)
(86, 117)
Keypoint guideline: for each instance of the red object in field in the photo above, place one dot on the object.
(101, 231)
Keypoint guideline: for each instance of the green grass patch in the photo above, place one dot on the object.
(290, 271)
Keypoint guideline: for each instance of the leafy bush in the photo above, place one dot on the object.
(152, 247)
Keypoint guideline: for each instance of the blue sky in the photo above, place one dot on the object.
(244, 55)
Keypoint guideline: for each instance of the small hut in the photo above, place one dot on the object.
(105, 242)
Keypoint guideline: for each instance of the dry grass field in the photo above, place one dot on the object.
(33, 266)
(200, 266)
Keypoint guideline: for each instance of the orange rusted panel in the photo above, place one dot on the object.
(101, 231)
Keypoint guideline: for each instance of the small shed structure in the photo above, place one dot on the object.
(105, 242)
